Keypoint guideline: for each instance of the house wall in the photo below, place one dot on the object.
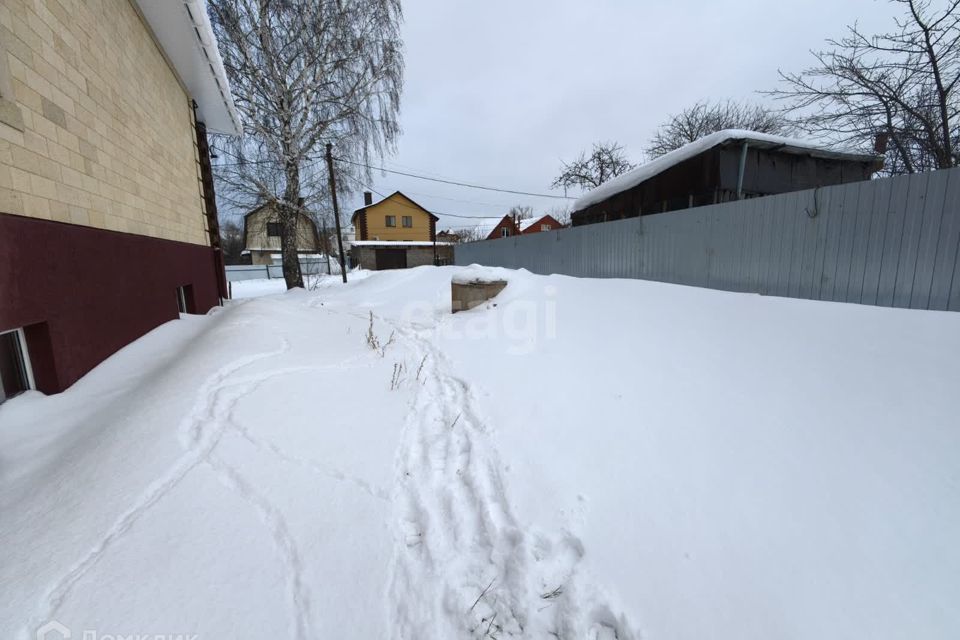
(505, 223)
(102, 212)
(255, 230)
(82, 293)
(107, 138)
(366, 256)
(548, 221)
(399, 206)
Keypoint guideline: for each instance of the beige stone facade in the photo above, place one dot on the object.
(262, 238)
(98, 130)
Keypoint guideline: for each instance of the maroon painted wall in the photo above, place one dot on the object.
(83, 293)
(548, 220)
(506, 222)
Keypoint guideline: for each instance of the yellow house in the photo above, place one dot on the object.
(395, 218)
(261, 234)
(396, 233)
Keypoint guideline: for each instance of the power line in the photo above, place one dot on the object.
(454, 182)
(365, 186)
(417, 208)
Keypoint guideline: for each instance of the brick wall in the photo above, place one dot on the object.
(102, 135)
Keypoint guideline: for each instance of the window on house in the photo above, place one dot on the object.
(544, 227)
(15, 374)
(273, 229)
(504, 232)
(391, 221)
(408, 221)
(185, 299)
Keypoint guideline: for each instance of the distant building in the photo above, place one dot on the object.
(543, 223)
(509, 227)
(396, 233)
(721, 167)
(448, 237)
(261, 235)
(504, 229)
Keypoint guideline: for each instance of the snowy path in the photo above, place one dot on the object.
(200, 433)
(748, 468)
(465, 567)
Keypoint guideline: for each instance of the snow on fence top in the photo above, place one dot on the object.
(659, 165)
(183, 31)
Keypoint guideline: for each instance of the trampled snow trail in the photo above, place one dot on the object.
(464, 566)
(200, 433)
(211, 403)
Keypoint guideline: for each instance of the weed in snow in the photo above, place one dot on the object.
(374, 342)
(397, 378)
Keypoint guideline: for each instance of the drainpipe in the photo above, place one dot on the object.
(743, 168)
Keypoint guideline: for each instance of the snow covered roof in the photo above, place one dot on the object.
(531, 222)
(182, 28)
(398, 243)
(756, 140)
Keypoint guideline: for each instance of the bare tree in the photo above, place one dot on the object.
(520, 212)
(561, 214)
(605, 161)
(894, 91)
(305, 73)
(231, 241)
(471, 234)
(705, 118)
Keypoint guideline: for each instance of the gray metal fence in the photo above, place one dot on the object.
(890, 242)
(236, 273)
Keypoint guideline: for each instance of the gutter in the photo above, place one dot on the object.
(742, 169)
(202, 28)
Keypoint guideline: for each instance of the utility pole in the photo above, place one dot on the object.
(326, 245)
(336, 211)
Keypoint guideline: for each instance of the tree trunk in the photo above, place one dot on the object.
(289, 223)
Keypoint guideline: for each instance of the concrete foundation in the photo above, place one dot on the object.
(467, 295)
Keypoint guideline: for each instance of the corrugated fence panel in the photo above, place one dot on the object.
(929, 239)
(878, 225)
(948, 248)
(910, 245)
(891, 242)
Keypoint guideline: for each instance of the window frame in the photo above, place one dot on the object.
(390, 221)
(404, 220)
(277, 227)
(26, 366)
(504, 232)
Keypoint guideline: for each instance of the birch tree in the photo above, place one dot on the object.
(305, 73)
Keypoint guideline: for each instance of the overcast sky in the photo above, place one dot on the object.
(499, 92)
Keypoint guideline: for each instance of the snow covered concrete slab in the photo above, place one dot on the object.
(586, 459)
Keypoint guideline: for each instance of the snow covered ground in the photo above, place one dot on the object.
(577, 459)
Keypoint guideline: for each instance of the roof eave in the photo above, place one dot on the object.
(183, 32)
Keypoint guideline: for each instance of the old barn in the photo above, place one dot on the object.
(723, 166)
